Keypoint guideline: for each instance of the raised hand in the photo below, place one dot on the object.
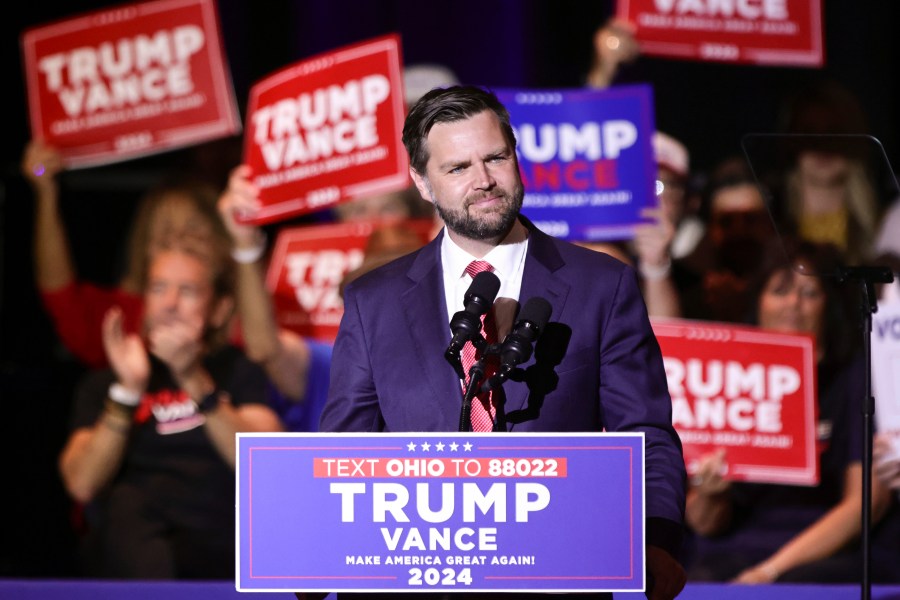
(126, 352)
(886, 461)
(614, 44)
(41, 163)
(653, 240)
(709, 478)
(240, 200)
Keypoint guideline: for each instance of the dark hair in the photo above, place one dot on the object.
(733, 176)
(821, 261)
(823, 106)
(447, 105)
(175, 206)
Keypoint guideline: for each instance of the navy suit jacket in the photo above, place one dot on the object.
(596, 366)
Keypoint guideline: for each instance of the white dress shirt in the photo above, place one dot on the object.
(508, 261)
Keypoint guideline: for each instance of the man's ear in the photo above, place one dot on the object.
(421, 184)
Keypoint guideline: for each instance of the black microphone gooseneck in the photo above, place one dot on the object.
(515, 349)
(519, 343)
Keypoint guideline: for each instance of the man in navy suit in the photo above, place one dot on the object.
(597, 366)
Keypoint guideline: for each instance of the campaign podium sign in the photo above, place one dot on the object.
(129, 81)
(308, 264)
(768, 32)
(328, 129)
(586, 159)
(747, 390)
(442, 512)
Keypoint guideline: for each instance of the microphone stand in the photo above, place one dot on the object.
(476, 374)
(477, 369)
(867, 277)
(476, 377)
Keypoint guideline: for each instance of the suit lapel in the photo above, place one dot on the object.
(539, 279)
(425, 311)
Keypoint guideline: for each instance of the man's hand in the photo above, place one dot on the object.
(709, 479)
(761, 573)
(41, 163)
(652, 240)
(179, 344)
(614, 44)
(886, 461)
(240, 200)
(667, 575)
(126, 352)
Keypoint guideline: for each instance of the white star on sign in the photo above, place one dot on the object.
(454, 446)
(467, 446)
(411, 446)
(426, 446)
(439, 446)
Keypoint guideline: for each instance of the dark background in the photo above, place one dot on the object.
(524, 43)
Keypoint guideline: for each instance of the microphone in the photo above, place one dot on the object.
(519, 343)
(466, 324)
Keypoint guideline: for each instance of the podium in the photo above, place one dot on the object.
(408, 512)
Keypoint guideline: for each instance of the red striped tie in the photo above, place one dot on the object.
(483, 410)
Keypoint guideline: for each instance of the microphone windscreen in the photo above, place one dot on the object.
(536, 311)
(485, 286)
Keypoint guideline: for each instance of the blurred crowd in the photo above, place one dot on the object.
(185, 350)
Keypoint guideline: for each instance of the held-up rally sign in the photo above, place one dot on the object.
(586, 159)
(747, 390)
(328, 129)
(765, 32)
(306, 269)
(129, 81)
(451, 512)
(886, 369)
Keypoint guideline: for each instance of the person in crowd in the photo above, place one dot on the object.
(673, 231)
(151, 453)
(386, 243)
(649, 253)
(713, 280)
(390, 206)
(298, 367)
(886, 248)
(762, 533)
(76, 307)
(614, 46)
(830, 199)
(887, 460)
(827, 194)
(389, 372)
(679, 208)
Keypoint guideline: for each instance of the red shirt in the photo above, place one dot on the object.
(77, 313)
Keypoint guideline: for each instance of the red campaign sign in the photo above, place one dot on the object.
(129, 81)
(747, 390)
(308, 264)
(328, 129)
(764, 32)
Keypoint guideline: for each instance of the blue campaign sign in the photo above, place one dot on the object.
(449, 511)
(586, 159)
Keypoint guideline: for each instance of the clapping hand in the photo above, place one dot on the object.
(126, 352)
